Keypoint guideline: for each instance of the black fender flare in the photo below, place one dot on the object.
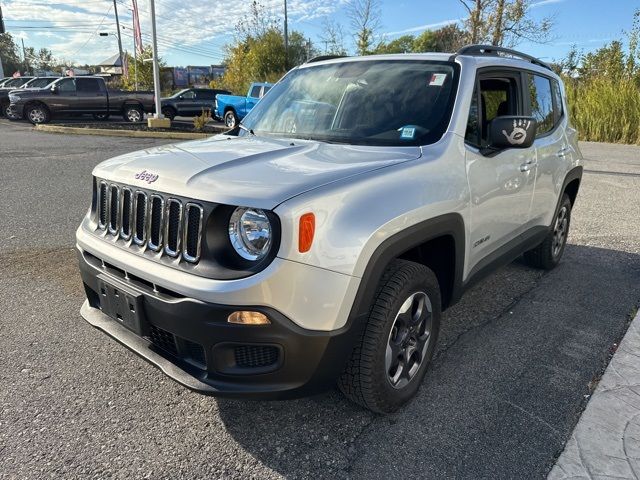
(450, 224)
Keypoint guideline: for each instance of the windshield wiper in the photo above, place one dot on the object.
(250, 130)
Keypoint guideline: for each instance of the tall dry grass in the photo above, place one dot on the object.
(605, 110)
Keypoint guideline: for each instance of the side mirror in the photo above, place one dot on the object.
(512, 132)
(54, 89)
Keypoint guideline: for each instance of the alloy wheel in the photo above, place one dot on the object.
(133, 115)
(36, 115)
(409, 340)
(560, 231)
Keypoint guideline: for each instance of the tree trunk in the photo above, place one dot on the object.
(498, 31)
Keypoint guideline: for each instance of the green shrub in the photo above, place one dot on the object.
(605, 109)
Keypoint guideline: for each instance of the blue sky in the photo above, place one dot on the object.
(194, 32)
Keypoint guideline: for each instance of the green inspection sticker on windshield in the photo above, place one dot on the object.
(407, 133)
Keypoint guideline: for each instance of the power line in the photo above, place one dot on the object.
(96, 31)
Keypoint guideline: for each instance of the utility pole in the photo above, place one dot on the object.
(158, 119)
(24, 54)
(115, 9)
(286, 37)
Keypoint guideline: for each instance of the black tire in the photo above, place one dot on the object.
(368, 378)
(548, 254)
(3, 109)
(37, 114)
(133, 113)
(169, 112)
(230, 119)
(101, 117)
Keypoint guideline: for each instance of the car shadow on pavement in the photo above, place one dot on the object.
(514, 363)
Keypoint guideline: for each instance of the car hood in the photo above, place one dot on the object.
(252, 171)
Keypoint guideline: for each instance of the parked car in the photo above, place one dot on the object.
(320, 244)
(7, 86)
(233, 108)
(77, 96)
(190, 102)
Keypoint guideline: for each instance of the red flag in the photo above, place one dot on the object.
(137, 33)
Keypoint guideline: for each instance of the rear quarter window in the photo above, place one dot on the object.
(541, 103)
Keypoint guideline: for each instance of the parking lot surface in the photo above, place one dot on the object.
(515, 360)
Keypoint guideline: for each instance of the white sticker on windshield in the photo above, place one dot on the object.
(408, 133)
(437, 79)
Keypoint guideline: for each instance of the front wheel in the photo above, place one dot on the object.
(391, 356)
(548, 254)
(169, 112)
(37, 114)
(133, 113)
(230, 119)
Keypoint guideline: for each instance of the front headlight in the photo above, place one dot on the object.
(250, 233)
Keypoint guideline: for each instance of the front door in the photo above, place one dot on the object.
(65, 99)
(501, 183)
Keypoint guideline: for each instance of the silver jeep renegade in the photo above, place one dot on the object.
(320, 241)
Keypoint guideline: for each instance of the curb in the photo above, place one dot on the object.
(123, 133)
(606, 441)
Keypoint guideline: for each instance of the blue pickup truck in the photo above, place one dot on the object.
(233, 108)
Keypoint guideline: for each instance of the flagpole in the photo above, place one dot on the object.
(158, 117)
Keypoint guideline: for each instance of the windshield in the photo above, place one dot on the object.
(39, 82)
(373, 102)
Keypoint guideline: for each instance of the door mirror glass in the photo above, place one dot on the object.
(512, 132)
(54, 88)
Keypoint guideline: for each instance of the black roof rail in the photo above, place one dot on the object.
(478, 50)
(320, 58)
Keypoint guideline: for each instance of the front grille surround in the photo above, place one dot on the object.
(113, 214)
(156, 222)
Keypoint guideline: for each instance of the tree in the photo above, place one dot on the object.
(333, 38)
(364, 16)
(144, 70)
(504, 22)
(402, 44)
(9, 54)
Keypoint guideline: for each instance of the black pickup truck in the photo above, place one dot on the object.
(73, 96)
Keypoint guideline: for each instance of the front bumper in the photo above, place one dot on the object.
(191, 341)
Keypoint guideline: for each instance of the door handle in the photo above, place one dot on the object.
(525, 167)
(563, 152)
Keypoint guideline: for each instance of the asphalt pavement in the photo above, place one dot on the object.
(515, 360)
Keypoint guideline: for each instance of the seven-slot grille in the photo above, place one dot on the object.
(159, 223)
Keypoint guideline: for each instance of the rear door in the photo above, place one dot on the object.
(92, 97)
(205, 98)
(501, 183)
(552, 146)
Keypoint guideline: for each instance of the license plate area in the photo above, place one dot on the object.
(122, 304)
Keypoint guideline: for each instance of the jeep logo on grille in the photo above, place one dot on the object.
(146, 176)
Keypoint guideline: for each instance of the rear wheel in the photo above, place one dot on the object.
(133, 113)
(230, 119)
(37, 114)
(548, 254)
(391, 357)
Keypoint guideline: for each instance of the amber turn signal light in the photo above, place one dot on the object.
(306, 232)
(245, 317)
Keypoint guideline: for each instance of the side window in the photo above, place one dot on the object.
(499, 96)
(265, 90)
(88, 85)
(558, 109)
(205, 94)
(189, 95)
(541, 103)
(67, 85)
(255, 92)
